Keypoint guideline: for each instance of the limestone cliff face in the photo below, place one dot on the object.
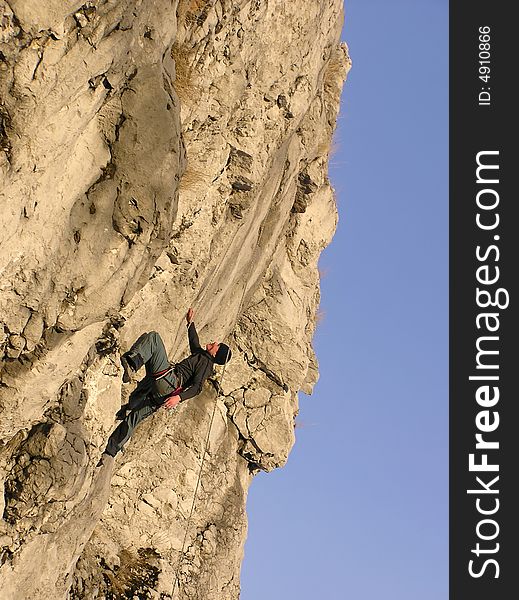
(154, 155)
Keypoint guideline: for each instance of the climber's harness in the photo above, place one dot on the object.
(162, 374)
(166, 383)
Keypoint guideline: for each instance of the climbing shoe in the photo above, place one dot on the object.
(127, 370)
(120, 415)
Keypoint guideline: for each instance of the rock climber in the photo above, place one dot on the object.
(165, 384)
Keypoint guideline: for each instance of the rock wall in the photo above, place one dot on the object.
(154, 155)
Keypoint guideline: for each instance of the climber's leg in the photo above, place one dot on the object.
(149, 350)
(137, 397)
(124, 430)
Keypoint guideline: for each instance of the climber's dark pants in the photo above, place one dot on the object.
(125, 428)
(150, 392)
(149, 349)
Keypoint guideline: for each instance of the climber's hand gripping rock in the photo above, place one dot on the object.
(171, 402)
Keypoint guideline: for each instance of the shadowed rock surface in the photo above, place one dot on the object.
(154, 155)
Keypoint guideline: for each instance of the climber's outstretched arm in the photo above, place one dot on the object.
(194, 343)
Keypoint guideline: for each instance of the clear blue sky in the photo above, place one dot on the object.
(360, 512)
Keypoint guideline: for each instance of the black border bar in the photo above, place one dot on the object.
(484, 252)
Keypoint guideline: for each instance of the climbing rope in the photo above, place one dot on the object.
(197, 303)
(206, 446)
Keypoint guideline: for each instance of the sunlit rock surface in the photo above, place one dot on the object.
(154, 155)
